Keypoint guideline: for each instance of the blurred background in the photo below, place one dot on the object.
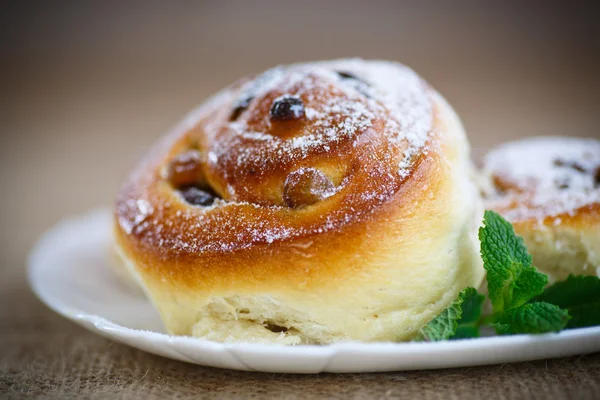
(88, 86)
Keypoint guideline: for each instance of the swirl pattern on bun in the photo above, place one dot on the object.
(313, 203)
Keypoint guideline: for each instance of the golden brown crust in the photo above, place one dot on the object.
(247, 161)
(329, 178)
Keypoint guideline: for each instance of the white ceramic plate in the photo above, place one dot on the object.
(68, 271)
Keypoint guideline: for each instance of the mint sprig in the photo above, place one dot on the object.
(468, 324)
(538, 317)
(512, 281)
(516, 291)
(458, 316)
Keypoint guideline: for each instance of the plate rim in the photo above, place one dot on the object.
(103, 326)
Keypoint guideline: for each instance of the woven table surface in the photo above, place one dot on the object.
(86, 88)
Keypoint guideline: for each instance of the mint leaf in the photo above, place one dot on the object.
(468, 324)
(516, 290)
(512, 281)
(580, 295)
(445, 324)
(584, 315)
(573, 291)
(527, 284)
(466, 332)
(531, 318)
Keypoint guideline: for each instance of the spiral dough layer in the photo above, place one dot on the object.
(313, 203)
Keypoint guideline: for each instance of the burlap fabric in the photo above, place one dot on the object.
(87, 86)
(45, 356)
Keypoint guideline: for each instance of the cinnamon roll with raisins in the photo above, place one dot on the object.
(313, 203)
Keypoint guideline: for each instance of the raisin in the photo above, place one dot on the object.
(359, 84)
(306, 186)
(347, 75)
(570, 164)
(198, 197)
(239, 107)
(286, 108)
(185, 168)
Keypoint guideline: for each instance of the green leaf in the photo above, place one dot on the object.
(527, 284)
(580, 295)
(445, 324)
(468, 324)
(466, 332)
(531, 318)
(512, 281)
(584, 315)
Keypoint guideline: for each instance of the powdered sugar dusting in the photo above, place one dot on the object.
(245, 229)
(401, 92)
(373, 117)
(384, 90)
(141, 211)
